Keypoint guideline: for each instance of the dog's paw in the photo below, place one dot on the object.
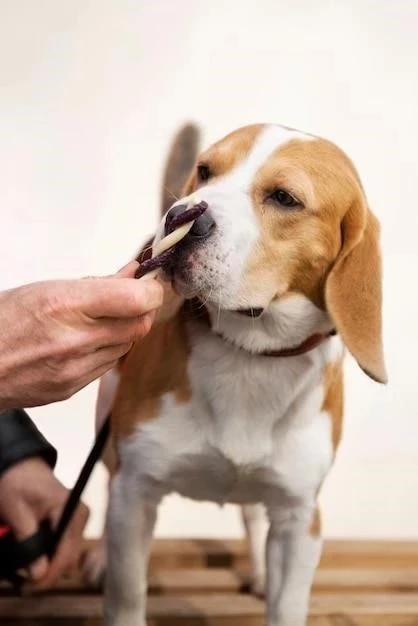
(93, 566)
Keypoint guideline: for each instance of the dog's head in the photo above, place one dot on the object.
(288, 236)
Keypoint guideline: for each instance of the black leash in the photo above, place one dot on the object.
(81, 482)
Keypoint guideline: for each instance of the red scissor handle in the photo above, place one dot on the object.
(4, 530)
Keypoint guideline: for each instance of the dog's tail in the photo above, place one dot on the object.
(180, 160)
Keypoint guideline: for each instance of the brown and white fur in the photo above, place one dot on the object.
(198, 408)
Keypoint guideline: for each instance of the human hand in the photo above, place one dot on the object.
(29, 494)
(58, 336)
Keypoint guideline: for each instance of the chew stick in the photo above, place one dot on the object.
(179, 226)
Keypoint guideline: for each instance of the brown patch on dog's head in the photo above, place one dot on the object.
(299, 244)
(224, 155)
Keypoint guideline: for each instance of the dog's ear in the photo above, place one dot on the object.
(353, 290)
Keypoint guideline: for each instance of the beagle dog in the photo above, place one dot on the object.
(236, 394)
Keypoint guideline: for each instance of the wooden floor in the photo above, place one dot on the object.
(203, 583)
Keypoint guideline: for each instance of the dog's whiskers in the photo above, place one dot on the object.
(173, 195)
(252, 318)
(205, 301)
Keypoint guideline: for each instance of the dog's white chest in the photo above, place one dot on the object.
(252, 428)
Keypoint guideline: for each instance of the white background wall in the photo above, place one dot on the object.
(91, 92)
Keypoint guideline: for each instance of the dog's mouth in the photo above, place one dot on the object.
(176, 228)
(253, 312)
(177, 262)
(178, 268)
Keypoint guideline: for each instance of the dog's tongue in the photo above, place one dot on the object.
(162, 259)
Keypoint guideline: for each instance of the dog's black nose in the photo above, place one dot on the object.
(202, 227)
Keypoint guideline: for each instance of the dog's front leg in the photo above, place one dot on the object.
(293, 553)
(256, 526)
(130, 523)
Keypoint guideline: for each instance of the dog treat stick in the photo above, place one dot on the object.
(164, 249)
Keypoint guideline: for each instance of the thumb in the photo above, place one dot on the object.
(24, 525)
(128, 271)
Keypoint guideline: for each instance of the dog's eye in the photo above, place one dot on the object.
(284, 198)
(203, 172)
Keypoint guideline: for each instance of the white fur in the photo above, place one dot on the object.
(252, 433)
(206, 450)
(284, 324)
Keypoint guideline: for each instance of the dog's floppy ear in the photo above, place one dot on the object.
(353, 290)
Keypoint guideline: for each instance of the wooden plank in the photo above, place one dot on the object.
(365, 604)
(167, 553)
(176, 581)
(212, 580)
(198, 583)
(219, 609)
(329, 620)
(362, 620)
(364, 580)
(171, 553)
(369, 554)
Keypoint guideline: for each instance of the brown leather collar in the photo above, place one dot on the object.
(199, 311)
(306, 346)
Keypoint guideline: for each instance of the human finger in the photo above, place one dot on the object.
(69, 548)
(120, 297)
(128, 270)
(114, 331)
